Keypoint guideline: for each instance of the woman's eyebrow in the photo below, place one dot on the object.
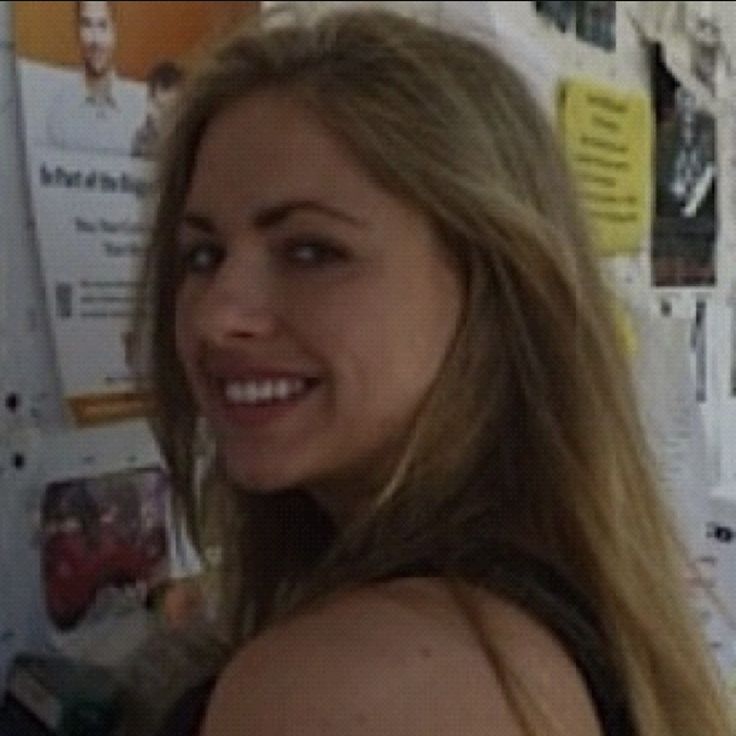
(277, 213)
(273, 215)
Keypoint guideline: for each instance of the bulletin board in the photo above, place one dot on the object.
(74, 461)
(679, 306)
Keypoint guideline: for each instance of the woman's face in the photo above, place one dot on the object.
(314, 309)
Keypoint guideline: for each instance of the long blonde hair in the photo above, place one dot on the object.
(530, 434)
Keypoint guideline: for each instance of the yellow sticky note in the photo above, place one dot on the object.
(607, 134)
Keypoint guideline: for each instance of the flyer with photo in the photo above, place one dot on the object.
(97, 80)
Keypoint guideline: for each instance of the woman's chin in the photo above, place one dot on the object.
(259, 486)
(254, 480)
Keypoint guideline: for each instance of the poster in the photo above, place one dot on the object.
(685, 211)
(693, 41)
(606, 136)
(103, 539)
(96, 80)
(103, 543)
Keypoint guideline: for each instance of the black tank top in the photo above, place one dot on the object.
(538, 589)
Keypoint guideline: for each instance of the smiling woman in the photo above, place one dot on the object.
(389, 320)
(298, 272)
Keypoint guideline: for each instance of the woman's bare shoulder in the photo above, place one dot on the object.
(395, 658)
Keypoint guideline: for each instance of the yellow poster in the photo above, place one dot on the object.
(607, 135)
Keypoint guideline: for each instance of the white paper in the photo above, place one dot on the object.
(89, 204)
(673, 420)
(667, 371)
(90, 228)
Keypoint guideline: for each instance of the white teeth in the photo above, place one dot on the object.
(262, 392)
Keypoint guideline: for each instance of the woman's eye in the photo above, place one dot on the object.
(314, 252)
(201, 257)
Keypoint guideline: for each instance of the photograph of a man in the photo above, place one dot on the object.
(101, 111)
(163, 86)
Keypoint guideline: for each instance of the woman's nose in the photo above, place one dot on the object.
(238, 301)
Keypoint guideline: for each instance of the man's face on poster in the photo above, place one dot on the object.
(96, 37)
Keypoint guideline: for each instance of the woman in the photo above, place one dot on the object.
(441, 517)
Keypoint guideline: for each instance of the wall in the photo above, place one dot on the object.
(33, 418)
